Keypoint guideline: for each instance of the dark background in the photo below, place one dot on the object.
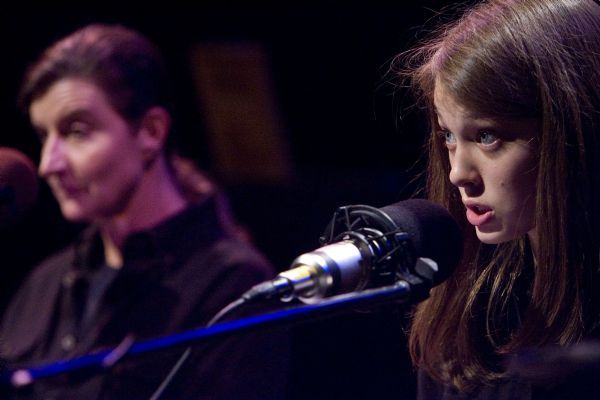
(350, 139)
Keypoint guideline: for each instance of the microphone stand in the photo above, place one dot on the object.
(410, 290)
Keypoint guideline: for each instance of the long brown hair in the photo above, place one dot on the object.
(516, 59)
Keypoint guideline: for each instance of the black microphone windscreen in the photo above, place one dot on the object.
(18, 185)
(433, 231)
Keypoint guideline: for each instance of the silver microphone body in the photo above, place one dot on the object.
(312, 275)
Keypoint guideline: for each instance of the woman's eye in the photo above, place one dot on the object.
(77, 130)
(487, 138)
(448, 136)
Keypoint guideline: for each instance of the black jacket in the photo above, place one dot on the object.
(175, 277)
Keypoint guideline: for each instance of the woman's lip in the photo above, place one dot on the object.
(67, 189)
(478, 218)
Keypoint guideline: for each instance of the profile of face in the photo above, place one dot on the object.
(492, 162)
(90, 158)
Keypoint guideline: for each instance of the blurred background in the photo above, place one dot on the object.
(289, 106)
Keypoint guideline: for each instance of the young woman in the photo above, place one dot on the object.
(512, 90)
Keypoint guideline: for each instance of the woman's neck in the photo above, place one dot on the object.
(156, 199)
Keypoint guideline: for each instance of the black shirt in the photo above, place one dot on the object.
(175, 277)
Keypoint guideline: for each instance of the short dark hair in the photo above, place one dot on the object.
(121, 61)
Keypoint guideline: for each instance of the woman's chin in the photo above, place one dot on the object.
(74, 213)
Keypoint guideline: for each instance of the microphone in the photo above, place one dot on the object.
(367, 247)
(18, 185)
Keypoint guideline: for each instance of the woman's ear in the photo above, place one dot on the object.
(153, 131)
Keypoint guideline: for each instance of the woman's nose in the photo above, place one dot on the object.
(463, 168)
(52, 159)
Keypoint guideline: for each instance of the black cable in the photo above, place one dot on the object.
(186, 353)
(226, 310)
(163, 386)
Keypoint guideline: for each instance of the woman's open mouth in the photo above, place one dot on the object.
(478, 215)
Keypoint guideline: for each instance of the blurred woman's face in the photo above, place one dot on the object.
(91, 159)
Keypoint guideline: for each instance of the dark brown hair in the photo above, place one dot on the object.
(121, 61)
(516, 59)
